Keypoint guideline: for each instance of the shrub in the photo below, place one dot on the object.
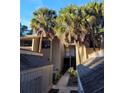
(72, 72)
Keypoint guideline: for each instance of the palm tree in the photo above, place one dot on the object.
(65, 25)
(73, 24)
(43, 22)
(77, 23)
(94, 22)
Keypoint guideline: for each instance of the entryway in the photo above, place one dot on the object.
(69, 58)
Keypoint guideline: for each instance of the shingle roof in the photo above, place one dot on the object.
(92, 75)
(29, 60)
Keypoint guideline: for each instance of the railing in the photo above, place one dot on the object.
(38, 80)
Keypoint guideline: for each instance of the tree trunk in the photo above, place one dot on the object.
(40, 43)
(93, 39)
(80, 54)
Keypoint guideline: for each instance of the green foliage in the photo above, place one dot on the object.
(23, 28)
(43, 18)
(72, 72)
(58, 76)
(72, 22)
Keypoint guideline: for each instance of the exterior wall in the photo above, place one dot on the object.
(85, 53)
(57, 54)
(22, 46)
(77, 56)
(98, 53)
(38, 80)
(26, 48)
(45, 50)
(35, 44)
(46, 53)
(90, 52)
(62, 51)
(80, 54)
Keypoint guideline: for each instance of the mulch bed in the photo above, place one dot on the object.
(54, 91)
(73, 82)
(74, 91)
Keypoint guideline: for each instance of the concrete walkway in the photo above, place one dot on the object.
(62, 84)
(63, 80)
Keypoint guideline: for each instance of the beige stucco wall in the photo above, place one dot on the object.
(85, 53)
(90, 52)
(57, 54)
(35, 44)
(80, 54)
(34, 47)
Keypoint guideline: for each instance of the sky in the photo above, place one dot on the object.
(27, 7)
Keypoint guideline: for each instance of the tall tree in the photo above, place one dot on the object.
(80, 25)
(43, 22)
(71, 27)
(95, 20)
(23, 28)
(76, 23)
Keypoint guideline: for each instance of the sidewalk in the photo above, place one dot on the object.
(62, 84)
(64, 80)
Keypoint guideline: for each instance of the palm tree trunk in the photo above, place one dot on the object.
(69, 37)
(40, 43)
(91, 33)
(93, 38)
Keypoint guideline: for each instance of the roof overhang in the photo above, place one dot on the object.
(29, 37)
